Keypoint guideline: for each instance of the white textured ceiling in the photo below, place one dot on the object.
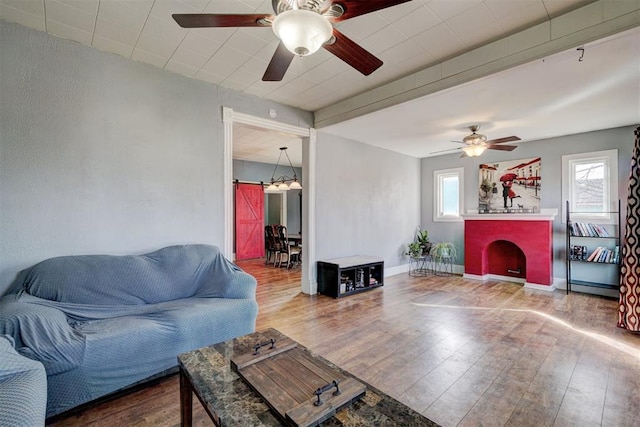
(260, 145)
(529, 101)
(554, 96)
(406, 37)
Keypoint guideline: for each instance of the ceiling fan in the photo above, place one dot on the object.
(303, 26)
(477, 143)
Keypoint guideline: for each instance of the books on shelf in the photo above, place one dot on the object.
(604, 255)
(587, 229)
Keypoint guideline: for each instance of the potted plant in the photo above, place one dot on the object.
(420, 245)
(422, 237)
(414, 250)
(443, 250)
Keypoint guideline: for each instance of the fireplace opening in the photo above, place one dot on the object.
(505, 258)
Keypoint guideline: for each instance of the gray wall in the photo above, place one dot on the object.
(101, 154)
(255, 172)
(551, 152)
(368, 200)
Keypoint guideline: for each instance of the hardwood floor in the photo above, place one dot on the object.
(462, 352)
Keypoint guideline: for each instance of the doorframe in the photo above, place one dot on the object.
(283, 203)
(309, 283)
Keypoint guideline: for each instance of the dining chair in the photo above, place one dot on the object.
(272, 242)
(286, 248)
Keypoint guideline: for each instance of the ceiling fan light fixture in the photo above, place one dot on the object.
(474, 150)
(302, 31)
(474, 138)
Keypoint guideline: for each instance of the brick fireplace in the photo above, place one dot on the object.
(517, 247)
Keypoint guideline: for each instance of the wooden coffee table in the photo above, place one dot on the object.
(230, 401)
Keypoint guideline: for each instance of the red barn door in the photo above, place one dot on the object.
(249, 221)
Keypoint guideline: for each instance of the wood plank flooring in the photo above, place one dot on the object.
(462, 352)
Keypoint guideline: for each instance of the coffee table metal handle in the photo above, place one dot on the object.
(324, 388)
(257, 347)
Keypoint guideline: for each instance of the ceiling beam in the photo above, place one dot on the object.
(589, 23)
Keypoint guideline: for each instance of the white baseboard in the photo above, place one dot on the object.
(404, 268)
(398, 269)
(548, 288)
(560, 283)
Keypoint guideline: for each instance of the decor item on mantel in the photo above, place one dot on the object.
(501, 183)
(280, 183)
(629, 313)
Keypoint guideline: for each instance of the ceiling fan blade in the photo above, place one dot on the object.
(353, 54)
(505, 139)
(353, 8)
(501, 147)
(279, 64)
(203, 20)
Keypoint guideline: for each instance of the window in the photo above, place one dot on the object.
(590, 183)
(448, 193)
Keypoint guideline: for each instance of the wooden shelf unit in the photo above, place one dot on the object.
(340, 277)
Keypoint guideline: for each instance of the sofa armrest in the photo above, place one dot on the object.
(41, 333)
(23, 388)
(226, 280)
(241, 286)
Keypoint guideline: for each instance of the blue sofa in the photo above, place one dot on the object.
(23, 388)
(100, 323)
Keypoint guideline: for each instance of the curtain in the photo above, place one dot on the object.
(629, 313)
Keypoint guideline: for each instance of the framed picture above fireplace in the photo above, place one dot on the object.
(512, 186)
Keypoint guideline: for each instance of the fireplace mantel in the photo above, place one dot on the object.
(543, 215)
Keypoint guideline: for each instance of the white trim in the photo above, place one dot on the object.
(457, 269)
(506, 278)
(560, 283)
(437, 194)
(309, 280)
(227, 181)
(283, 203)
(528, 285)
(537, 287)
(308, 135)
(610, 160)
(394, 271)
(544, 215)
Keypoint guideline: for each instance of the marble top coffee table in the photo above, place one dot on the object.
(229, 401)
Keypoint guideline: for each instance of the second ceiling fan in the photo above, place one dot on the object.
(303, 27)
(477, 143)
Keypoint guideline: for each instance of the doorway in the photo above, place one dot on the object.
(308, 137)
(275, 207)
